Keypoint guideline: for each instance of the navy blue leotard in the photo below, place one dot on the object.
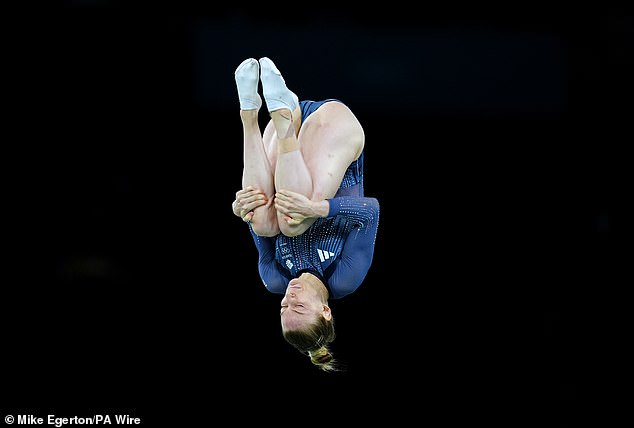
(338, 248)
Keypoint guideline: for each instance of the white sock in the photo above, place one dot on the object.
(247, 77)
(276, 94)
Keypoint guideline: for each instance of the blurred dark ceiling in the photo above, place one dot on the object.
(514, 59)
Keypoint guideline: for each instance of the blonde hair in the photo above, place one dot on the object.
(313, 341)
(324, 359)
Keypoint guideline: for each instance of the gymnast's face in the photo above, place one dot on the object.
(302, 304)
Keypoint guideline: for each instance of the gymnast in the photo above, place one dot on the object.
(302, 197)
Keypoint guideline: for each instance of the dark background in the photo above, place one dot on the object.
(494, 139)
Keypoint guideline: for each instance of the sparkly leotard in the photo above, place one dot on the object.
(338, 248)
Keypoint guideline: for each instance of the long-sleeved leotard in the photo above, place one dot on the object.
(338, 248)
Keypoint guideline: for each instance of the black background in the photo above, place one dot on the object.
(494, 139)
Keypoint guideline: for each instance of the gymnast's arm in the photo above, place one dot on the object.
(271, 275)
(358, 251)
(352, 266)
(246, 201)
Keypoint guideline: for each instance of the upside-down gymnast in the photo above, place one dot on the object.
(302, 197)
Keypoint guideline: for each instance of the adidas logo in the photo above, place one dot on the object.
(324, 255)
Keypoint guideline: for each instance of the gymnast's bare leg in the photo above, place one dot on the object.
(309, 157)
(257, 171)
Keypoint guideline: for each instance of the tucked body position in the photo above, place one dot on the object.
(303, 199)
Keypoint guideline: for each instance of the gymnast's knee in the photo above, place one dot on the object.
(264, 228)
(291, 231)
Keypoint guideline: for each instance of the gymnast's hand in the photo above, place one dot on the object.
(297, 207)
(247, 200)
